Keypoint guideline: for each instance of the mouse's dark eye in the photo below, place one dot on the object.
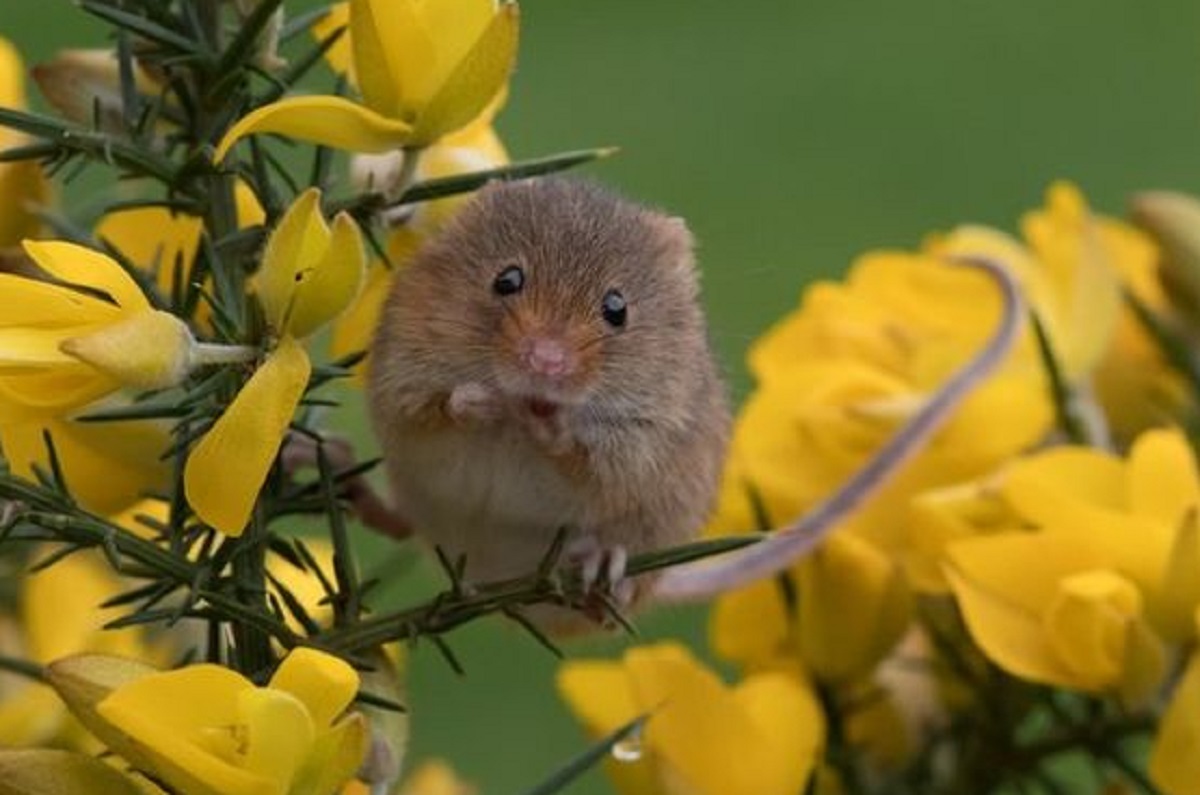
(613, 308)
(509, 281)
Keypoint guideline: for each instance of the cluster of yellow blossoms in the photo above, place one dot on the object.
(1046, 541)
(1048, 533)
(92, 324)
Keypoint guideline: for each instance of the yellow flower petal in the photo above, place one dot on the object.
(23, 190)
(325, 291)
(149, 350)
(354, 328)
(108, 466)
(793, 719)
(294, 249)
(1088, 625)
(1173, 605)
(309, 273)
(392, 50)
(750, 626)
(1044, 608)
(155, 239)
(853, 605)
(601, 695)
(334, 757)
(475, 81)
(710, 739)
(40, 397)
(61, 613)
(1052, 486)
(12, 76)
(159, 722)
(279, 734)
(326, 120)
(1174, 763)
(1075, 290)
(36, 304)
(323, 683)
(339, 56)
(435, 777)
(25, 349)
(1163, 483)
(939, 517)
(226, 470)
(80, 265)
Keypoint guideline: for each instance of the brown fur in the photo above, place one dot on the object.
(633, 452)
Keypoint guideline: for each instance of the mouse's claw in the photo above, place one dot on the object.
(607, 592)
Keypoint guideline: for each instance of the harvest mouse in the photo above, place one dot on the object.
(543, 363)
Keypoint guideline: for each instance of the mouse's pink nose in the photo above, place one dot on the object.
(547, 356)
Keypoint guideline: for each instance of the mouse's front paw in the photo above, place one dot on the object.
(472, 402)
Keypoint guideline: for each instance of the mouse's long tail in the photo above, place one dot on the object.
(782, 548)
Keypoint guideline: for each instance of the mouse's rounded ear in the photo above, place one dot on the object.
(678, 244)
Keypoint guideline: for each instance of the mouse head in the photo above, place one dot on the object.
(559, 292)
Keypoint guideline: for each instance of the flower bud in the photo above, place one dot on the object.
(1173, 220)
(148, 350)
(85, 87)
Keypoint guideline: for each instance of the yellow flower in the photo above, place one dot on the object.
(1174, 764)
(310, 273)
(472, 148)
(157, 239)
(424, 70)
(840, 376)
(435, 777)
(703, 737)
(851, 606)
(941, 516)
(1073, 266)
(59, 615)
(23, 186)
(64, 346)
(1047, 609)
(206, 730)
(1136, 516)
(1135, 382)
(107, 466)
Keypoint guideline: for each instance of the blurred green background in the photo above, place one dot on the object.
(792, 135)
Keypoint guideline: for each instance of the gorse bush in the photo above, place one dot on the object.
(988, 573)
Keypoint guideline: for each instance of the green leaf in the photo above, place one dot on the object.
(463, 183)
(686, 553)
(142, 27)
(589, 758)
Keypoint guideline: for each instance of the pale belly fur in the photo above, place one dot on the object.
(476, 492)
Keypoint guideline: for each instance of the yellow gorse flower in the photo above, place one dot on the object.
(157, 240)
(23, 186)
(425, 69)
(59, 615)
(840, 375)
(1109, 577)
(64, 346)
(760, 737)
(474, 147)
(207, 730)
(310, 273)
(851, 607)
